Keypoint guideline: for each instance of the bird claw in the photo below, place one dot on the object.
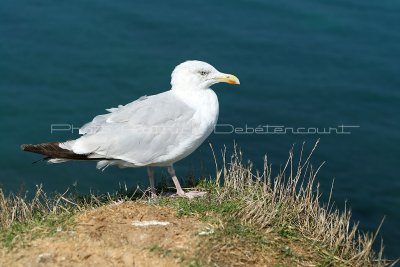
(191, 194)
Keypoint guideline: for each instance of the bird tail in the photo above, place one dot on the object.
(54, 153)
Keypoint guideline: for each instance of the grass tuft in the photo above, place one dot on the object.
(290, 204)
(242, 205)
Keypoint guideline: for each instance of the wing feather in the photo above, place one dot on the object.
(148, 130)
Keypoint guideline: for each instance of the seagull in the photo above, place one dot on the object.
(152, 131)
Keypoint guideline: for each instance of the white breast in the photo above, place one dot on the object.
(205, 103)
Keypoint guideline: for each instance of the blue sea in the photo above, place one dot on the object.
(304, 66)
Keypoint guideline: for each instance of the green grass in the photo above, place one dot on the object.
(177, 254)
(210, 210)
(201, 207)
(227, 228)
(284, 230)
(156, 248)
(248, 212)
(37, 227)
(326, 262)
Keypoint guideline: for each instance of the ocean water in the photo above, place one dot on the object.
(303, 65)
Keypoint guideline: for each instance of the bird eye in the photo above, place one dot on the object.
(203, 73)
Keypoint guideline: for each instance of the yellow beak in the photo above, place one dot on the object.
(228, 78)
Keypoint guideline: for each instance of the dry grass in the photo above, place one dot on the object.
(24, 218)
(291, 204)
(17, 208)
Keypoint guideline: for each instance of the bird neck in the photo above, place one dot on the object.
(185, 88)
(188, 93)
(194, 96)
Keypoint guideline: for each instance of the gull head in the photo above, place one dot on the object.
(195, 74)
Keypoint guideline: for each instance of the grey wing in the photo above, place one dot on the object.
(120, 113)
(149, 130)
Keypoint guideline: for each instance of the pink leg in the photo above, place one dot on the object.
(150, 173)
(178, 187)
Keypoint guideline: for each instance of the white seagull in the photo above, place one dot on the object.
(156, 130)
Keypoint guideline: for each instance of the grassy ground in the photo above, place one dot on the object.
(246, 219)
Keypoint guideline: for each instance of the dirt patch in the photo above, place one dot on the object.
(107, 237)
(139, 234)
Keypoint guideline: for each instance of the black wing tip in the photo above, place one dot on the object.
(25, 146)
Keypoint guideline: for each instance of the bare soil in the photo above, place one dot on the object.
(106, 237)
(110, 236)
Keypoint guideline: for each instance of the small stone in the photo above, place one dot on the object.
(207, 231)
(43, 257)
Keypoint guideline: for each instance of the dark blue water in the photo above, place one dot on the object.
(307, 64)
